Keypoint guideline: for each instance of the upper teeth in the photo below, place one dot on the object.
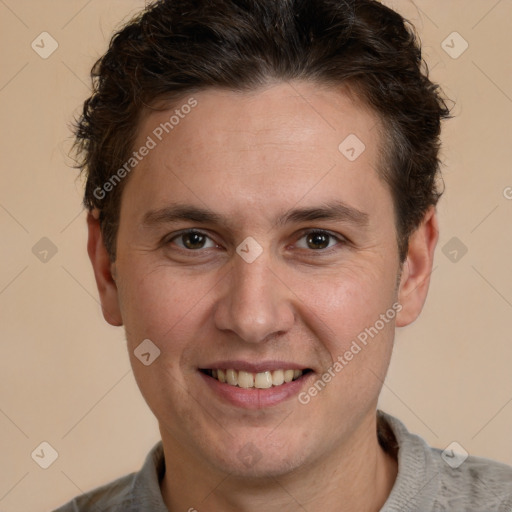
(262, 380)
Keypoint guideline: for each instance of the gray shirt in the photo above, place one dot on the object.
(427, 480)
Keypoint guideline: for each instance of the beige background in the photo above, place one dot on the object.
(65, 375)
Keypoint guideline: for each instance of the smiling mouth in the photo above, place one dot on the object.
(260, 380)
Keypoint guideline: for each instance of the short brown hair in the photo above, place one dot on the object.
(176, 47)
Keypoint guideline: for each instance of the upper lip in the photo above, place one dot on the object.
(257, 367)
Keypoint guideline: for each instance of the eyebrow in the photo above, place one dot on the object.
(334, 211)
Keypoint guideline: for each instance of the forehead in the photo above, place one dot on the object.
(287, 114)
(285, 143)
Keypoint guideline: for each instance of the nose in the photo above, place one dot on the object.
(254, 303)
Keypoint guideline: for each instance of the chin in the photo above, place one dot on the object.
(260, 459)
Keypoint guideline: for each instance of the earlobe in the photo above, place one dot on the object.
(415, 278)
(104, 272)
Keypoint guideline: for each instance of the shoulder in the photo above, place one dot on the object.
(474, 482)
(447, 480)
(110, 497)
(135, 492)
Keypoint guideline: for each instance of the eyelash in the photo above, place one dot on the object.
(338, 238)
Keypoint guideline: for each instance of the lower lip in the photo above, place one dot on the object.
(254, 398)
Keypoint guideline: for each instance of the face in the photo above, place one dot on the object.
(250, 246)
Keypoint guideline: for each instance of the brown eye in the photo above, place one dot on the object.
(193, 240)
(318, 240)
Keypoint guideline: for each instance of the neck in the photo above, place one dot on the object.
(358, 477)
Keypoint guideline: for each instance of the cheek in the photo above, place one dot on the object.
(344, 311)
(159, 304)
(345, 302)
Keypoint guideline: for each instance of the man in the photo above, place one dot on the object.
(261, 186)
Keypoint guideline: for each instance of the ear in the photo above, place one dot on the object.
(417, 267)
(104, 271)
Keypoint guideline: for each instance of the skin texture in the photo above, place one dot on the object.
(251, 157)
